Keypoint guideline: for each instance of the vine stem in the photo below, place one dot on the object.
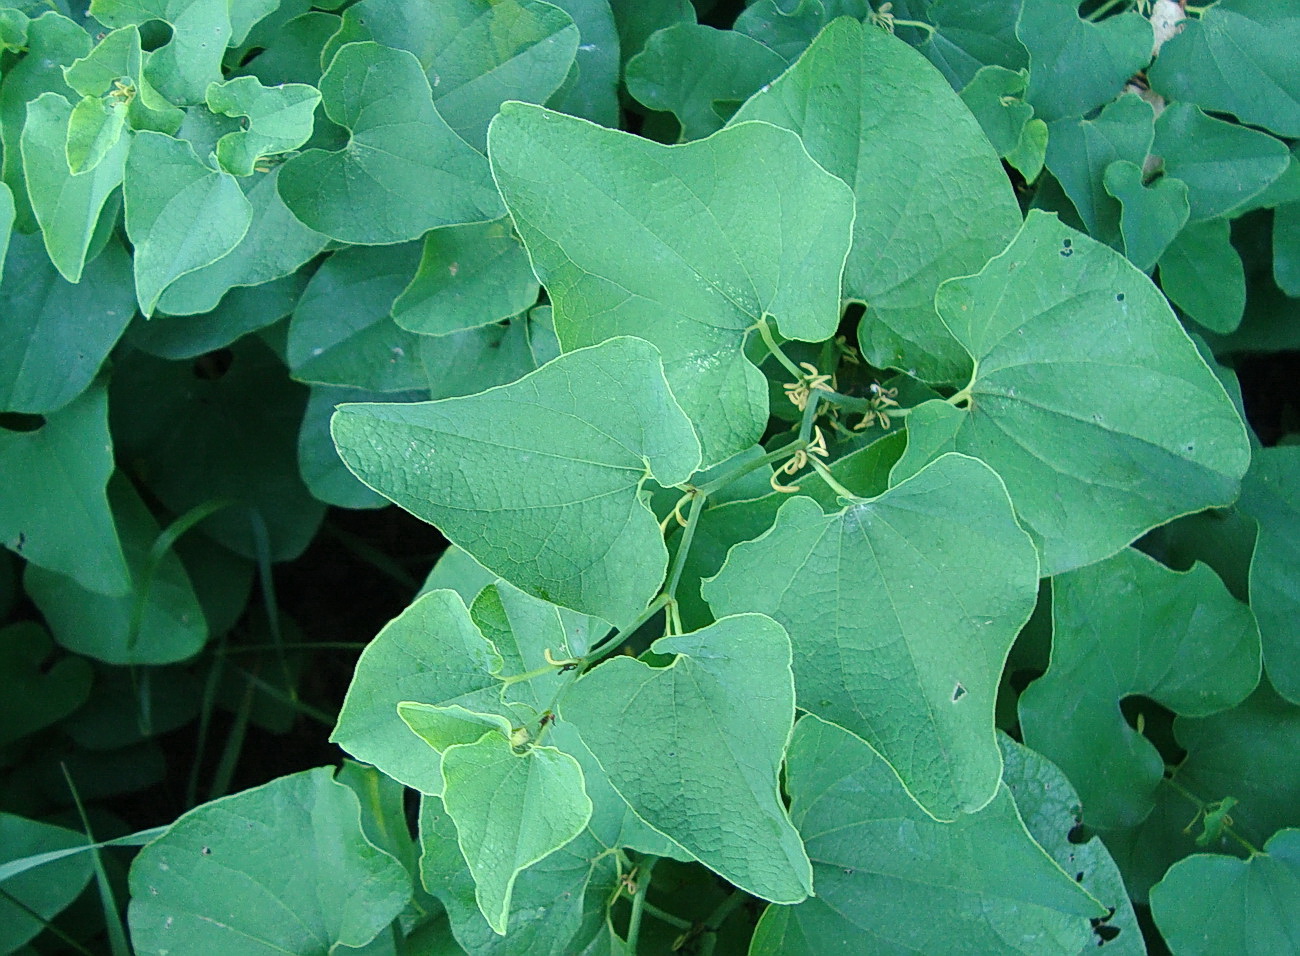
(717, 918)
(775, 349)
(1104, 9)
(1201, 805)
(722, 481)
(825, 473)
(918, 24)
(638, 902)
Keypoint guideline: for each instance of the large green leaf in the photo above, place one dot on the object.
(1049, 808)
(275, 245)
(66, 205)
(56, 335)
(1101, 56)
(902, 609)
(1239, 58)
(695, 747)
(476, 53)
(469, 276)
(341, 332)
(511, 810)
(1203, 275)
(688, 246)
(403, 172)
(168, 189)
(1208, 904)
(280, 869)
(891, 879)
(1114, 630)
(932, 200)
(539, 479)
(695, 71)
(1271, 495)
(53, 504)
(1070, 342)
(29, 899)
(1223, 164)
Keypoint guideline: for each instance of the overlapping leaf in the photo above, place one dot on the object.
(902, 609)
(279, 119)
(38, 691)
(688, 246)
(182, 68)
(538, 480)
(1203, 275)
(705, 731)
(1070, 341)
(892, 879)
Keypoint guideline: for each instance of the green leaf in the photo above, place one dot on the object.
(1271, 495)
(694, 71)
(341, 332)
(93, 130)
(1101, 56)
(56, 335)
(1050, 809)
(703, 733)
(275, 245)
(216, 881)
(511, 810)
(970, 34)
(932, 200)
(902, 610)
(477, 54)
(472, 361)
(110, 77)
(167, 190)
(240, 311)
(1209, 904)
(1111, 627)
(159, 621)
(1224, 165)
(637, 21)
(1202, 274)
(555, 459)
(292, 54)
(687, 245)
(226, 434)
(182, 68)
(30, 899)
(1239, 58)
(1286, 248)
(433, 653)
(469, 276)
(891, 878)
(279, 119)
(6, 220)
(995, 96)
(1089, 460)
(66, 205)
(53, 41)
(1079, 151)
(403, 172)
(1152, 214)
(53, 505)
(591, 88)
(38, 691)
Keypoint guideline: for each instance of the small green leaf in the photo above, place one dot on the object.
(112, 75)
(1203, 275)
(53, 504)
(511, 810)
(1223, 164)
(403, 172)
(216, 882)
(1111, 627)
(182, 68)
(38, 691)
(319, 463)
(432, 653)
(996, 96)
(469, 276)
(1271, 495)
(591, 89)
(168, 189)
(56, 335)
(31, 898)
(240, 311)
(1089, 460)
(722, 232)
(1101, 56)
(1152, 214)
(705, 732)
(539, 480)
(932, 200)
(895, 880)
(1238, 57)
(692, 71)
(279, 120)
(1209, 904)
(903, 650)
(1286, 248)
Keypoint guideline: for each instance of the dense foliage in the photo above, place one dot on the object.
(856, 538)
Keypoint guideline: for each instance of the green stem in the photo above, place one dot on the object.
(606, 646)
(719, 916)
(835, 486)
(1104, 9)
(809, 416)
(1201, 805)
(665, 917)
(965, 394)
(638, 902)
(722, 481)
(919, 25)
(529, 675)
(684, 547)
(775, 349)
